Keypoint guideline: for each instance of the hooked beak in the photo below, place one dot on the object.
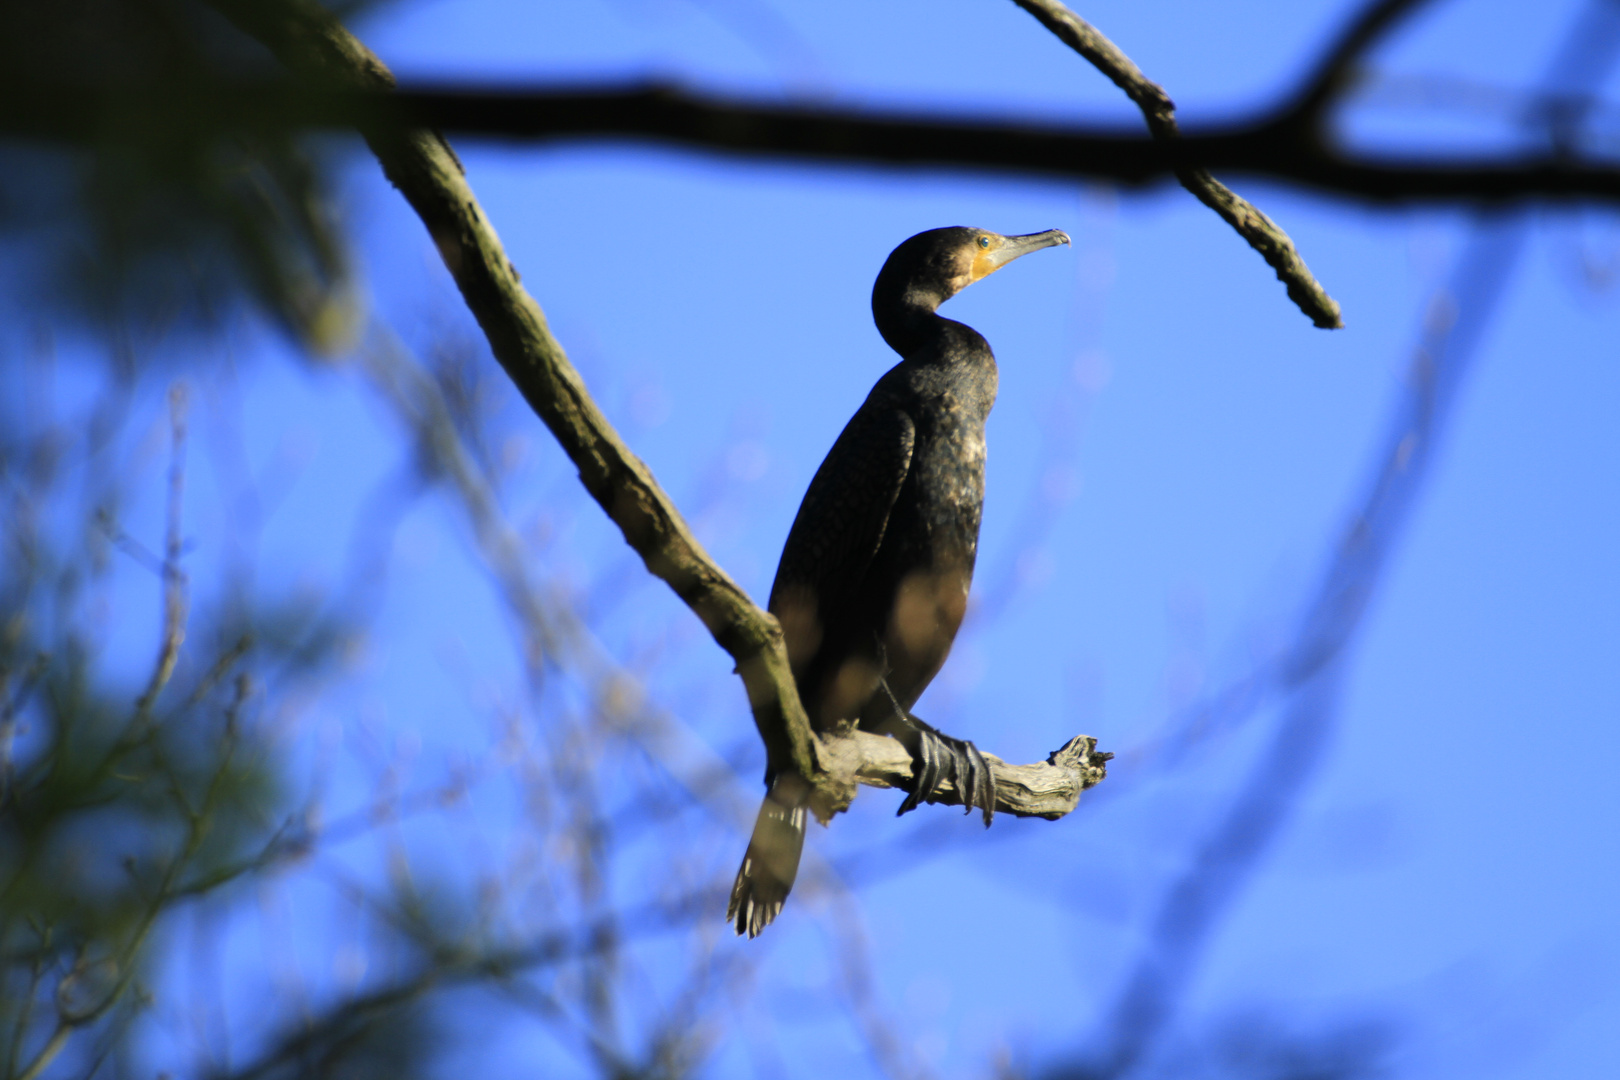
(1011, 247)
(1014, 246)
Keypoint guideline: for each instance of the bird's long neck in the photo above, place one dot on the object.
(907, 315)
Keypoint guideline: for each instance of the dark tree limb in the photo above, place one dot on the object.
(312, 44)
(1276, 148)
(1289, 144)
(1263, 234)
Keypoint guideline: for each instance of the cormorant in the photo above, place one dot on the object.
(874, 577)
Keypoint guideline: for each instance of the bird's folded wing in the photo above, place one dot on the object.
(842, 520)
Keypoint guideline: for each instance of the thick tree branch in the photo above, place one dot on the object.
(1159, 111)
(316, 48)
(311, 43)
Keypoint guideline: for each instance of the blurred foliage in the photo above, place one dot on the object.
(163, 795)
(163, 219)
(123, 798)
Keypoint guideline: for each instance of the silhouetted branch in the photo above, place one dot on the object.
(1291, 143)
(1268, 147)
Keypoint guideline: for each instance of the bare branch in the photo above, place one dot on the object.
(123, 964)
(1157, 108)
(1047, 789)
(47, 1053)
(11, 706)
(1159, 111)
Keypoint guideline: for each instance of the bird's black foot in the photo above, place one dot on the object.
(937, 756)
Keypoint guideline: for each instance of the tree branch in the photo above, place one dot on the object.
(1159, 111)
(175, 604)
(311, 43)
(1272, 148)
(1047, 789)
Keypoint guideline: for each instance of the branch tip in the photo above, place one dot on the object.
(1159, 112)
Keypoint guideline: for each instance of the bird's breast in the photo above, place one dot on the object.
(948, 467)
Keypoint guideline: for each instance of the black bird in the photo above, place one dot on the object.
(874, 577)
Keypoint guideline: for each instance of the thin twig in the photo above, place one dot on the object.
(175, 603)
(25, 1013)
(48, 1052)
(221, 667)
(561, 634)
(1159, 111)
(198, 821)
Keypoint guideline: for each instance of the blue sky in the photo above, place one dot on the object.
(1174, 451)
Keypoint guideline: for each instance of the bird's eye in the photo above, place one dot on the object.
(984, 241)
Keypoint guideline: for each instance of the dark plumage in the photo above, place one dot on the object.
(874, 577)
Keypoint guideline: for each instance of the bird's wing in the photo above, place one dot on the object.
(841, 522)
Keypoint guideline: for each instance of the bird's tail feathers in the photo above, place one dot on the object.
(771, 862)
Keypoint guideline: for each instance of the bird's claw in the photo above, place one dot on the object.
(927, 768)
(980, 789)
(975, 780)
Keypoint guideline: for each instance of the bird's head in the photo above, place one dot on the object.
(934, 266)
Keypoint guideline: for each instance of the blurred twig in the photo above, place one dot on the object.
(174, 579)
(124, 963)
(1339, 67)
